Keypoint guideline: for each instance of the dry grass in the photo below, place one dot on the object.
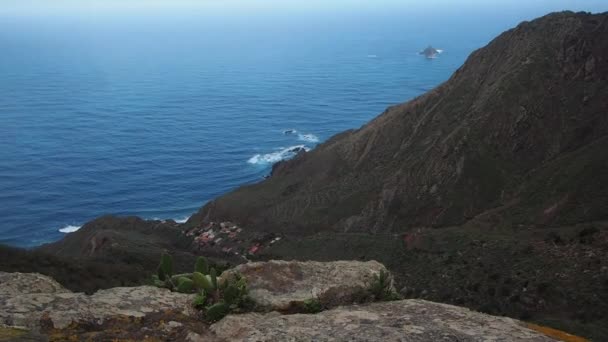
(557, 334)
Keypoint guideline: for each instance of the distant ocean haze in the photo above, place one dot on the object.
(154, 118)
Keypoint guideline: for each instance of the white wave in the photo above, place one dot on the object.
(372, 56)
(69, 229)
(308, 137)
(271, 158)
(439, 51)
(178, 220)
(182, 220)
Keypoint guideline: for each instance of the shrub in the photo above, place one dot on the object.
(381, 287)
(312, 305)
(554, 238)
(586, 235)
(199, 301)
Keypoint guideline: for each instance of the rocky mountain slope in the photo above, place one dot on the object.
(520, 128)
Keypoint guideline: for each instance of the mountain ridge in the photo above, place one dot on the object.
(415, 157)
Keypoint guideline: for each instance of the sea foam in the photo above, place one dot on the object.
(308, 137)
(182, 220)
(69, 229)
(72, 228)
(271, 158)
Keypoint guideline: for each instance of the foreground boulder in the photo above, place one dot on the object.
(44, 305)
(12, 284)
(406, 320)
(285, 285)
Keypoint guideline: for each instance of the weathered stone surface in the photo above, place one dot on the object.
(162, 326)
(406, 320)
(151, 314)
(22, 283)
(47, 307)
(20, 335)
(285, 285)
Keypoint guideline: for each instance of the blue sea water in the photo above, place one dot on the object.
(150, 115)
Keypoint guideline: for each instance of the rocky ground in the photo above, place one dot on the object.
(37, 308)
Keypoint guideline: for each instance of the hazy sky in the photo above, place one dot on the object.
(104, 6)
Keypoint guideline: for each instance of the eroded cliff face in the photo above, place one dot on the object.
(519, 127)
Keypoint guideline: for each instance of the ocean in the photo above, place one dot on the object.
(153, 115)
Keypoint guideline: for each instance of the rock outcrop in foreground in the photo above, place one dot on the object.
(405, 320)
(39, 305)
(285, 285)
(36, 308)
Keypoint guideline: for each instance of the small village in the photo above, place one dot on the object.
(228, 239)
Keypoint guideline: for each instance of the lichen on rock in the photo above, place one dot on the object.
(27, 283)
(45, 306)
(286, 285)
(406, 320)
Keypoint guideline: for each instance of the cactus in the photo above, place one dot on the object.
(156, 281)
(213, 275)
(165, 269)
(231, 294)
(216, 297)
(203, 282)
(160, 274)
(217, 311)
(175, 278)
(201, 265)
(220, 296)
(185, 285)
